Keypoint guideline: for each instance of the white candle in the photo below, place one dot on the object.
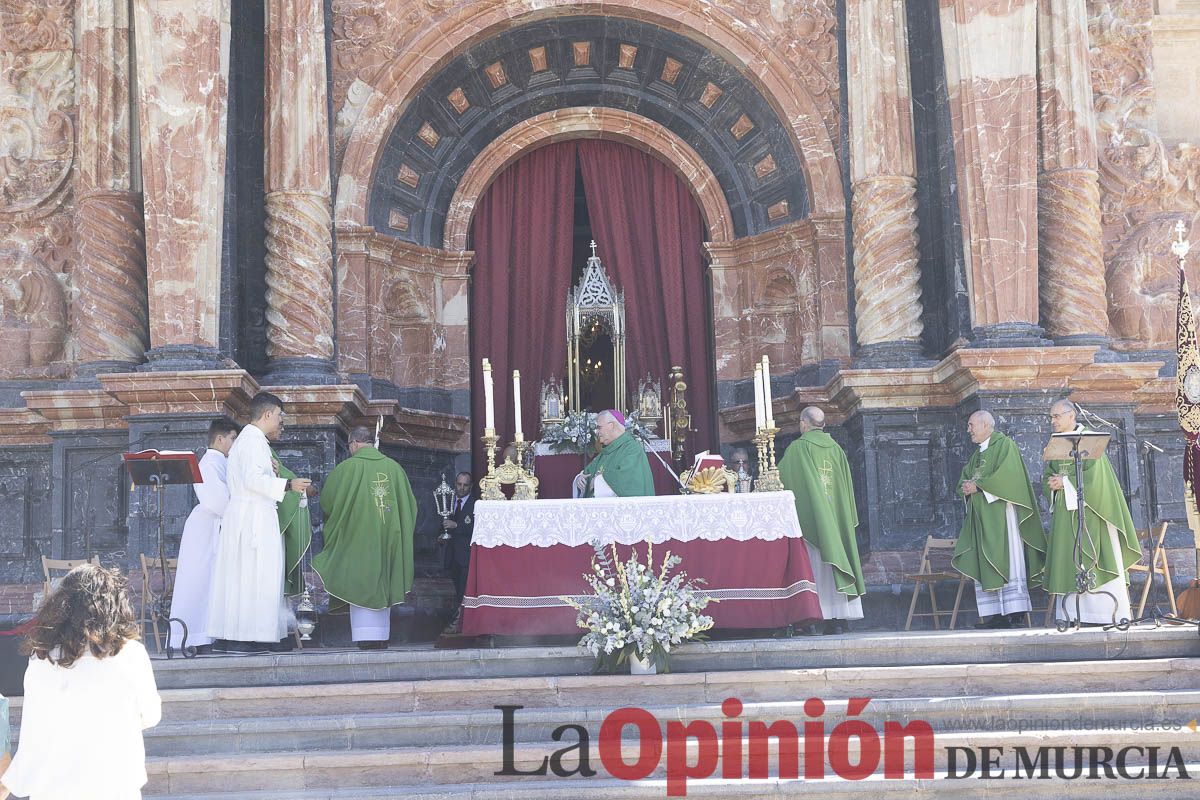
(520, 436)
(760, 416)
(489, 410)
(768, 401)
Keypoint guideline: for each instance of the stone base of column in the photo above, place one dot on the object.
(890, 354)
(87, 372)
(1009, 334)
(300, 372)
(181, 358)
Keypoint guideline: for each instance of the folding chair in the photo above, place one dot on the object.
(1160, 568)
(51, 567)
(935, 567)
(151, 567)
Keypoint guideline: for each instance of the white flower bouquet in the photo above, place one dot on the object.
(575, 434)
(636, 610)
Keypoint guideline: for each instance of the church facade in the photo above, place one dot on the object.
(916, 209)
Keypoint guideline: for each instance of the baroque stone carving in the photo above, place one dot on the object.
(1144, 185)
(33, 310)
(37, 135)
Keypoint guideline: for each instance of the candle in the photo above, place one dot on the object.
(489, 409)
(760, 415)
(768, 401)
(520, 436)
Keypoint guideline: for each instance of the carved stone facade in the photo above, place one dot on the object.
(122, 244)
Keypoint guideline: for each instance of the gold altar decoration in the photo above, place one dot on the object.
(509, 473)
(677, 421)
(710, 480)
(553, 405)
(594, 306)
(649, 400)
(768, 473)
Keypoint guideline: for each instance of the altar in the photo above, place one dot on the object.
(527, 555)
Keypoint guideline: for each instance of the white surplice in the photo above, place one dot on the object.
(370, 624)
(246, 603)
(1095, 607)
(834, 604)
(198, 552)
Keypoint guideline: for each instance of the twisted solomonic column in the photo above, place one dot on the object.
(1072, 294)
(887, 292)
(299, 276)
(113, 322)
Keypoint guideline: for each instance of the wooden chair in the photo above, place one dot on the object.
(150, 568)
(53, 570)
(935, 567)
(1154, 541)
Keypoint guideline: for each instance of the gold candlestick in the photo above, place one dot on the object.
(526, 482)
(489, 485)
(768, 472)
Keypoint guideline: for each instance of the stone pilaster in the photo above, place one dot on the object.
(183, 66)
(883, 178)
(1072, 290)
(991, 79)
(299, 234)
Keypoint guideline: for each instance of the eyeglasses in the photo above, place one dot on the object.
(1060, 414)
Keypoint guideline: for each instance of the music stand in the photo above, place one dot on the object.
(1077, 446)
(158, 470)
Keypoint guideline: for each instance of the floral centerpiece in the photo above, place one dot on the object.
(577, 432)
(636, 612)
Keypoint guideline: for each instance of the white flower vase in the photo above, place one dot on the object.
(641, 666)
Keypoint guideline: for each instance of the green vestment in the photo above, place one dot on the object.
(982, 550)
(1105, 504)
(815, 469)
(370, 513)
(296, 527)
(623, 464)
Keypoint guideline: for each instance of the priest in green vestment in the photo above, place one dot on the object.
(1002, 544)
(815, 469)
(1109, 543)
(296, 527)
(367, 561)
(621, 469)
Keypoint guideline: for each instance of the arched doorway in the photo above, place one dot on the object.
(530, 233)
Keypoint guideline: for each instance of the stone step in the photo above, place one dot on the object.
(770, 789)
(869, 649)
(440, 766)
(365, 731)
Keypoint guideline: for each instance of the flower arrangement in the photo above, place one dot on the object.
(577, 432)
(635, 611)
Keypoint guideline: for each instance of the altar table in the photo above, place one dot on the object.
(526, 555)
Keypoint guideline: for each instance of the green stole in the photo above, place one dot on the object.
(370, 513)
(982, 549)
(815, 469)
(296, 526)
(623, 464)
(1104, 504)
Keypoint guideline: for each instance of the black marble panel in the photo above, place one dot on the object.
(25, 492)
(90, 496)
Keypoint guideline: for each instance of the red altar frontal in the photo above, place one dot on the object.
(527, 555)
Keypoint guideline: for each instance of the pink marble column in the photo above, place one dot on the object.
(110, 314)
(1074, 305)
(182, 69)
(990, 53)
(299, 233)
(887, 288)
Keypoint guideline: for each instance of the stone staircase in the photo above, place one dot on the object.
(422, 723)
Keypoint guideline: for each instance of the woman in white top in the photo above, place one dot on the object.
(89, 693)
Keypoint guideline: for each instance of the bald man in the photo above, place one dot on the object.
(816, 471)
(1109, 546)
(1002, 544)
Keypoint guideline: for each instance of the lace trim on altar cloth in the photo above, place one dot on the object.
(724, 595)
(631, 520)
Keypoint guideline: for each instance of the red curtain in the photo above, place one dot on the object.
(522, 233)
(649, 235)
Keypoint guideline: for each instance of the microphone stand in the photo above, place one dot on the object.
(683, 489)
(1155, 614)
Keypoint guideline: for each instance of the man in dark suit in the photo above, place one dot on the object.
(460, 525)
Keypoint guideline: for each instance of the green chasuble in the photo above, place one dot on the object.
(1105, 504)
(814, 468)
(623, 464)
(982, 550)
(296, 527)
(370, 514)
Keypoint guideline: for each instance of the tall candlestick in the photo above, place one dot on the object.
(520, 436)
(489, 409)
(768, 401)
(760, 416)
